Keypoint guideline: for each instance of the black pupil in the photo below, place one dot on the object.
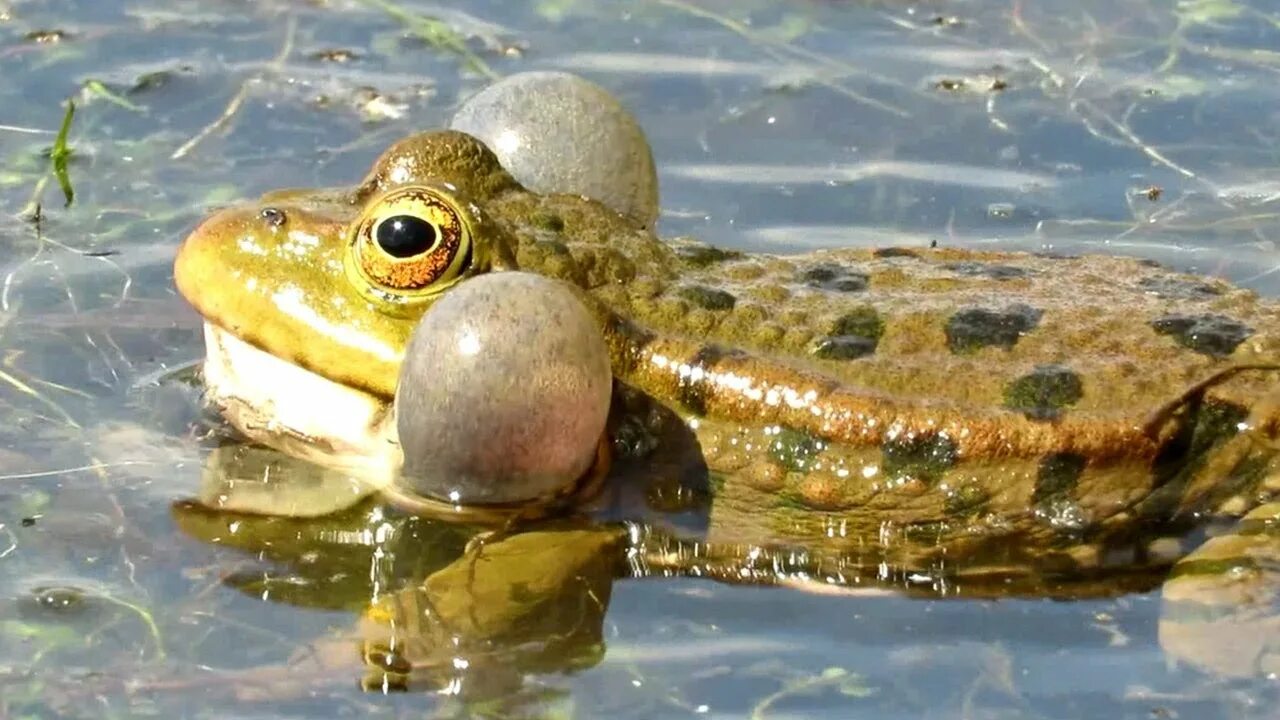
(404, 236)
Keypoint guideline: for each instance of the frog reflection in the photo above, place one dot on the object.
(442, 606)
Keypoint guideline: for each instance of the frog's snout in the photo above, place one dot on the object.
(208, 251)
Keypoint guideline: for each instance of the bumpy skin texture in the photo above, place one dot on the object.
(848, 399)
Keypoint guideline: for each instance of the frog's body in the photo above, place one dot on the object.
(844, 398)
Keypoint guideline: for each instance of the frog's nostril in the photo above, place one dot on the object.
(274, 217)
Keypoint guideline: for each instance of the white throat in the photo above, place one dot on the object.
(282, 405)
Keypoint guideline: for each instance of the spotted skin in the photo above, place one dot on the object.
(913, 444)
(1074, 391)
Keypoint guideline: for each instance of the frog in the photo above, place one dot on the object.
(997, 418)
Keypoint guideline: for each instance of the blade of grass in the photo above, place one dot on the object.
(436, 33)
(62, 153)
(237, 100)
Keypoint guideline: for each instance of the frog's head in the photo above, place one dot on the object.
(316, 292)
(335, 280)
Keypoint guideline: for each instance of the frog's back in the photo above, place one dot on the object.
(1110, 337)
(956, 396)
(1011, 409)
(1005, 336)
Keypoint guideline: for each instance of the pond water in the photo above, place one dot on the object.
(1137, 127)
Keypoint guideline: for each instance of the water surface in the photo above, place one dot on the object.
(1139, 127)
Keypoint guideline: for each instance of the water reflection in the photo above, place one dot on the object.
(1192, 81)
(479, 612)
(442, 607)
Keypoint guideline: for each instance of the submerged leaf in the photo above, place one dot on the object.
(1207, 12)
(97, 88)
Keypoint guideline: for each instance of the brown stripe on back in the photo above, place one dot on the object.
(695, 374)
(751, 390)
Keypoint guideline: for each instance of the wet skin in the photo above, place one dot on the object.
(941, 402)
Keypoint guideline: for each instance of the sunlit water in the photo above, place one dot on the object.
(776, 126)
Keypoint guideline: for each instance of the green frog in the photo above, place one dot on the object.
(943, 412)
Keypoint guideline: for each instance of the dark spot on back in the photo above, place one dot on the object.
(794, 449)
(834, 277)
(862, 322)
(1212, 335)
(819, 274)
(853, 335)
(547, 221)
(925, 457)
(974, 328)
(704, 255)
(1165, 286)
(553, 247)
(996, 272)
(708, 298)
(1043, 393)
(844, 347)
(892, 252)
(853, 282)
(1148, 262)
(1057, 476)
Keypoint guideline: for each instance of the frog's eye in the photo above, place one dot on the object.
(411, 242)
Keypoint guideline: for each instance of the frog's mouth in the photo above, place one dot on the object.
(282, 405)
